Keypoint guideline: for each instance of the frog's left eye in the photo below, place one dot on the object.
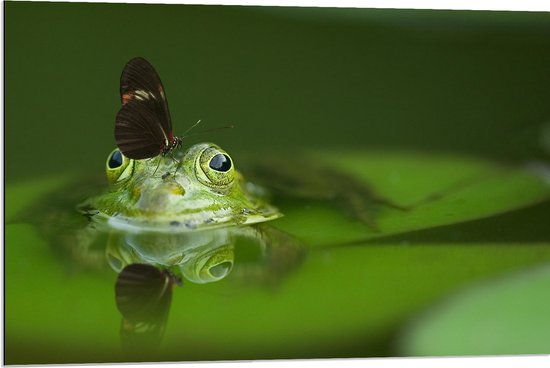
(118, 167)
(215, 168)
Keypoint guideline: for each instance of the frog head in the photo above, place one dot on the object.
(192, 190)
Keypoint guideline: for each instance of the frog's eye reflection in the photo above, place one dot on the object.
(220, 162)
(116, 160)
(221, 270)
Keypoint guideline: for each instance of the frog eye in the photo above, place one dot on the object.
(215, 168)
(118, 167)
(115, 160)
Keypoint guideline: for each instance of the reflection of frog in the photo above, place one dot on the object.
(264, 254)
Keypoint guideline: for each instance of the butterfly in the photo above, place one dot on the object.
(143, 127)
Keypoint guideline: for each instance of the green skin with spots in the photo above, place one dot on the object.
(183, 193)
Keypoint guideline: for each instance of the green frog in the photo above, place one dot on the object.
(195, 190)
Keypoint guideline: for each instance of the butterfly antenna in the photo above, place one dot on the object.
(191, 127)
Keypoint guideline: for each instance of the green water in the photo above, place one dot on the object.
(368, 89)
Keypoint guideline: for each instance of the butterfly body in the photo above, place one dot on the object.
(170, 144)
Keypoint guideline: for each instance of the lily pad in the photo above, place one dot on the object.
(506, 315)
(439, 189)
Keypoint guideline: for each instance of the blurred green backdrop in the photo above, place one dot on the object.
(473, 82)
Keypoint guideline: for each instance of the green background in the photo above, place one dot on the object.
(460, 81)
(362, 88)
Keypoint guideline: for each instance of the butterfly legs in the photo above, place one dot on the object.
(176, 162)
(156, 168)
(158, 164)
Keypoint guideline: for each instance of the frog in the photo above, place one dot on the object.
(183, 213)
(196, 189)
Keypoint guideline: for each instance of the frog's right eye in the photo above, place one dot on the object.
(214, 168)
(118, 167)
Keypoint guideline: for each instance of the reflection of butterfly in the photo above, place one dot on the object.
(143, 296)
(143, 127)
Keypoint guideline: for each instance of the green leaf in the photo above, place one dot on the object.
(506, 315)
(441, 189)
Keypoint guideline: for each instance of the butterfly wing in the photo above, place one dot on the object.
(137, 131)
(143, 124)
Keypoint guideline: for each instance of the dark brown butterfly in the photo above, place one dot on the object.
(143, 127)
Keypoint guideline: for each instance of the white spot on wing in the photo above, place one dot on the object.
(143, 95)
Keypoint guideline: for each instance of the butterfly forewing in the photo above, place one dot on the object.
(143, 125)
